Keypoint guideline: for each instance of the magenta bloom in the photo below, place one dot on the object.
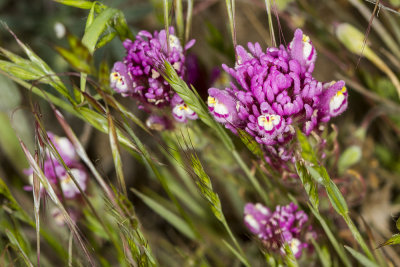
(56, 173)
(222, 104)
(286, 224)
(181, 111)
(138, 77)
(158, 123)
(273, 92)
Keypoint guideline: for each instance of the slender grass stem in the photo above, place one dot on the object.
(251, 176)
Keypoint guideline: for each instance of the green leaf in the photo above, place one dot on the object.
(116, 153)
(94, 31)
(76, 3)
(205, 187)
(307, 152)
(289, 257)
(235, 252)
(74, 60)
(250, 143)
(14, 241)
(33, 69)
(168, 215)
(323, 254)
(18, 71)
(361, 258)
(335, 196)
(122, 28)
(394, 240)
(349, 157)
(309, 184)
(339, 249)
(105, 39)
(90, 18)
(13, 205)
(398, 224)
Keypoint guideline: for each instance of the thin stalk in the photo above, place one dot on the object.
(55, 100)
(251, 176)
(377, 25)
(161, 179)
(179, 18)
(188, 19)
(270, 24)
(394, 25)
(238, 247)
(230, 10)
(358, 236)
(166, 22)
(70, 242)
(339, 249)
(83, 84)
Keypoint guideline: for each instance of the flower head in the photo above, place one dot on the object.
(68, 186)
(120, 80)
(286, 224)
(57, 174)
(223, 106)
(138, 76)
(64, 148)
(158, 123)
(333, 100)
(302, 49)
(181, 111)
(273, 92)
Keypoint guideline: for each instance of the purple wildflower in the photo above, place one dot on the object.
(56, 173)
(222, 104)
(181, 111)
(64, 148)
(138, 75)
(120, 80)
(274, 91)
(286, 224)
(68, 187)
(158, 123)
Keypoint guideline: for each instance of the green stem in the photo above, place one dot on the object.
(188, 19)
(358, 236)
(251, 176)
(161, 179)
(339, 249)
(238, 247)
(179, 18)
(270, 24)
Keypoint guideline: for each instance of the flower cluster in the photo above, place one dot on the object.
(138, 77)
(286, 224)
(56, 173)
(273, 92)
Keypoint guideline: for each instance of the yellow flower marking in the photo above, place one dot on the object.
(211, 101)
(269, 121)
(306, 39)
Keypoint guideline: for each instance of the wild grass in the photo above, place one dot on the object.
(183, 204)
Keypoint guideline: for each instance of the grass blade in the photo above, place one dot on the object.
(15, 243)
(361, 258)
(168, 215)
(97, 27)
(116, 154)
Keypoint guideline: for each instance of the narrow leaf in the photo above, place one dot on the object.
(394, 240)
(361, 258)
(169, 216)
(15, 242)
(94, 31)
(116, 153)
